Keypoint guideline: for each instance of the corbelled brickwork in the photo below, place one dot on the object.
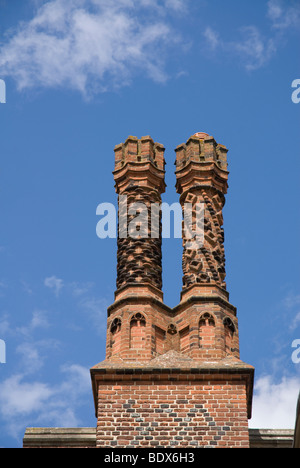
(172, 377)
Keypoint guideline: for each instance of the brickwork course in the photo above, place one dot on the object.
(172, 377)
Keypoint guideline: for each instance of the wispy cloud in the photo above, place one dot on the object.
(4, 325)
(292, 304)
(283, 14)
(26, 396)
(291, 300)
(54, 283)
(254, 49)
(90, 45)
(30, 345)
(79, 289)
(26, 287)
(251, 46)
(96, 310)
(84, 298)
(212, 38)
(39, 320)
(32, 392)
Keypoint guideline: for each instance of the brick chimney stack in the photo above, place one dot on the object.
(132, 331)
(201, 178)
(172, 377)
(201, 173)
(139, 176)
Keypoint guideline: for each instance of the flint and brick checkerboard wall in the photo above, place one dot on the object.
(179, 414)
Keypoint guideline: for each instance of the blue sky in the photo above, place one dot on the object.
(80, 77)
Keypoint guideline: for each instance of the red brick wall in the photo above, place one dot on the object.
(179, 414)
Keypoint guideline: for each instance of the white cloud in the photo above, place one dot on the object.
(95, 309)
(292, 304)
(291, 300)
(90, 45)
(253, 48)
(274, 10)
(26, 287)
(42, 403)
(32, 351)
(212, 38)
(284, 14)
(39, 320)
(274, 404)
(79, 289)
(177, 5)
(33, 354)
(29, 398)
(54, 283)
(295, 322)
(4, 325)
(21, 398)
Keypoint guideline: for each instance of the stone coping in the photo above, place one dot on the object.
(172, 362)
(172, 367)
(43, 437)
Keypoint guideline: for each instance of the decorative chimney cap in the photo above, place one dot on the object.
(201, 135)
